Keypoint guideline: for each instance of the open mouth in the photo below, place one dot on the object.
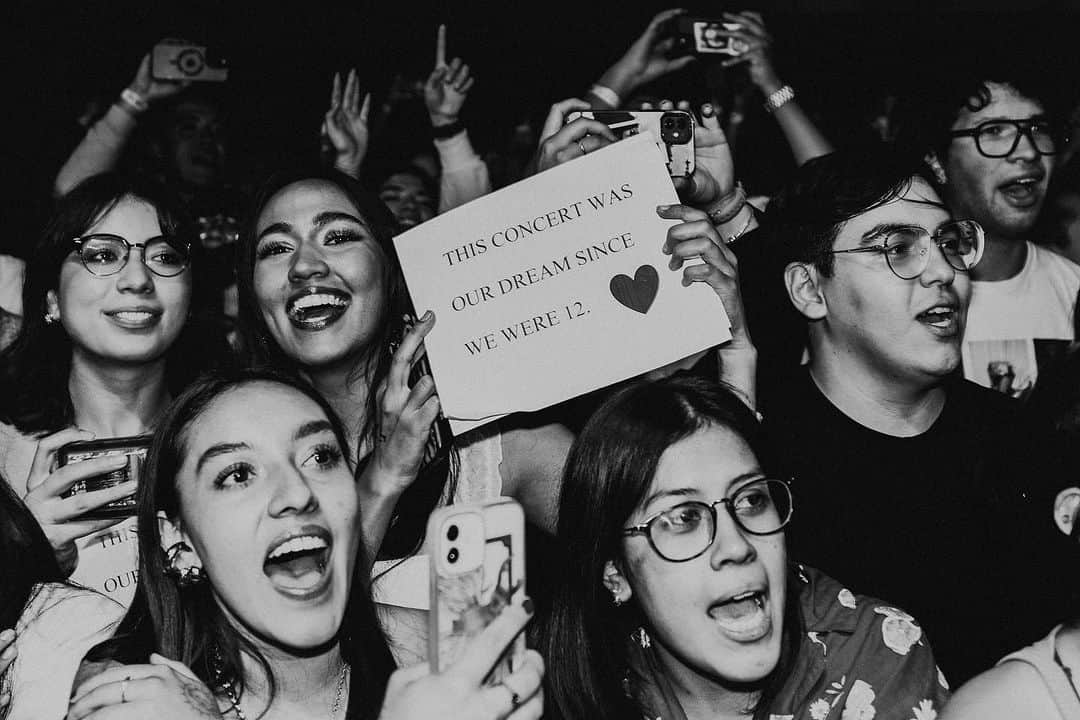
(743, 617)
(941, 317)
(135, 318)
(1023, 191)
(315, 308)
(298, 565)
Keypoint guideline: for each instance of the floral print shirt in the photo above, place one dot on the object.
(862, 660)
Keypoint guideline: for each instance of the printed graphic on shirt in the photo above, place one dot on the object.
(1012, 367)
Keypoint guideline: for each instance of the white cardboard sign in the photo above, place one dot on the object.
(556, 286)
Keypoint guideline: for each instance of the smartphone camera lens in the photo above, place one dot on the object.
(452, 533)
(452, 556)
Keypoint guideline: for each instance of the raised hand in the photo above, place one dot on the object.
(560, 142)
(714, 169)
(693, 238)
(152, 89)
(60, 516)
(646, 59)
(758, 56)
(162, 689)
(405, 414)
(459, 693)
(447, 86)
(345, 125)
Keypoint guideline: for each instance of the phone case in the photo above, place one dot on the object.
(134, 446)
(477, 568)
(673, 131)
(440, 436)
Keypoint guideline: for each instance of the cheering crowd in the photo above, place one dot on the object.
(863, 505)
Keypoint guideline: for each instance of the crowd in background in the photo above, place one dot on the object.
(862, 505)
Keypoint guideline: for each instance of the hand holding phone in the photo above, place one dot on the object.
(411, 433)
(63, 515)
(459, 692)
(672, 130)
(477, 569)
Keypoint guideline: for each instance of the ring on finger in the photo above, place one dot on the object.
(123, 689)
(581, 144)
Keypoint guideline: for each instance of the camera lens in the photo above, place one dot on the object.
(452, 556)
(452, 533)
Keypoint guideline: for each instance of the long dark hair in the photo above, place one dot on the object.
(26, 558)
(186, 624)
(608, 474)
(34, 369)
(262, 350)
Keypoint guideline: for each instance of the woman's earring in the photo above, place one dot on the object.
(642, 638)
(185, 570)
(615, 599)
(50, 318)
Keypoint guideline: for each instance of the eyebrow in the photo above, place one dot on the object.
(880, 229)
(736, 482)
(313, 427)
(318, 222)
(1006, 118)
(218, 450)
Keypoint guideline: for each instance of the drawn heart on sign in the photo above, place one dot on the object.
(637, 293)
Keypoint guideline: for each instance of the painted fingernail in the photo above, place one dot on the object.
(662, 208)
(427, 316)
(527, 606)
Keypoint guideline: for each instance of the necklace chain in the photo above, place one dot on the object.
(228, 689)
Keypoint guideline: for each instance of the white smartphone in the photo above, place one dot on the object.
(477, 569)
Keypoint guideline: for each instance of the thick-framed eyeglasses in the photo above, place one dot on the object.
(105, 254)
(999, 138)
(681, 533)
(907, 247)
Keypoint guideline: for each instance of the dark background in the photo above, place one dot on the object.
(839, 55)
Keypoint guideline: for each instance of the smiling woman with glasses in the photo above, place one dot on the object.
(679, 600)
(114, 327)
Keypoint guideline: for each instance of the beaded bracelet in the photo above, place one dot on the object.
(779, 99)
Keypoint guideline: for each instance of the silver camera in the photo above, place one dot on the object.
(181, 60)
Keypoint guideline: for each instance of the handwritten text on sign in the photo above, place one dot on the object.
(555, 286)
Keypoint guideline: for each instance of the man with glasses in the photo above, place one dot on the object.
(994, 164)
(909, 482)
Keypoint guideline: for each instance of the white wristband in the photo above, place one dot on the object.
(133, 101)
(606, 94)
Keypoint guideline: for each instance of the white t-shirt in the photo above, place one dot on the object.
(56, 629)
(1012, 325)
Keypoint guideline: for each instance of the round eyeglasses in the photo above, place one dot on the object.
(681, 533)
(907, 247)
(106, 254)
(999, 138)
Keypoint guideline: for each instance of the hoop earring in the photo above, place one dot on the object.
(185, 571)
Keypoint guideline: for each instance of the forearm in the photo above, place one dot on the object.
(465, 175)
(803, 137)
(376, 510)
(805, 140)
(99, 150)
(737, 359)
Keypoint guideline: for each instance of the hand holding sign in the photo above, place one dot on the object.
(694, 238)
(558, 285)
